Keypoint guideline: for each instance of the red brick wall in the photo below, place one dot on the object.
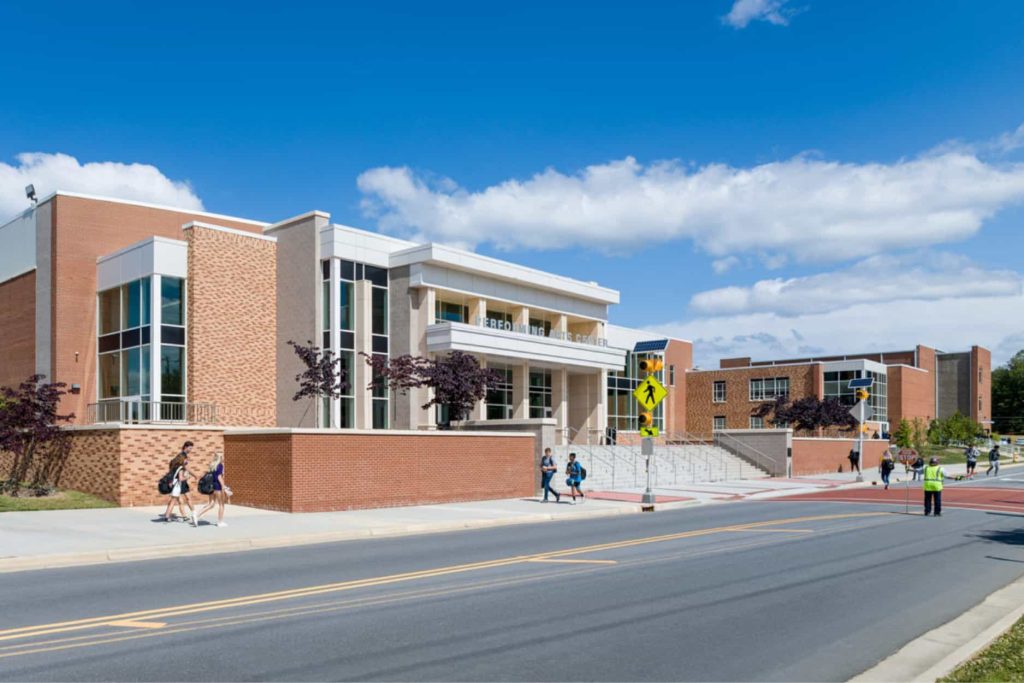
(821, 456)
(981, 387)
(316, 472)
(911, 394)
(18, 328)
(804, 380)
(122, 465)
(84, 230)
(680, 355)
(232, 309)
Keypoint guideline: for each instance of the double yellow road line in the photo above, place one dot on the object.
(151, 619)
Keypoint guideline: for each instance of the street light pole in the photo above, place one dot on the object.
(860, 441)
(647, 448)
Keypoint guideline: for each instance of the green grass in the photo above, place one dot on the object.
(61, 500)
(1003, 660)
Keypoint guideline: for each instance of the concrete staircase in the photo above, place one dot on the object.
(623, 467)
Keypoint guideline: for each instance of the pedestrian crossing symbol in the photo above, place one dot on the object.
(650, 393)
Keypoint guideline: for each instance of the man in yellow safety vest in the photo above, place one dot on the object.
(933, 476)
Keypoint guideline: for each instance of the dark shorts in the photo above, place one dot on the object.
(184, 487)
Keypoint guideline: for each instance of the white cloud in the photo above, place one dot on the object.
(745, 11)
(948, 324)
(723, 265)
(804, 208)
(923, 277)
(50, 172)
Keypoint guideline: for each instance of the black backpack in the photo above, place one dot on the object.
(583, 472)
(206, 484)
(165, 484)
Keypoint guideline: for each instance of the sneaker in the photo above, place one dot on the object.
(222, 523)
(195, 522)
(558, 498)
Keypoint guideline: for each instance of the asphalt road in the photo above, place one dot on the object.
(818, 590)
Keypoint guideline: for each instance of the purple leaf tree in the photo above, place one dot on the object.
(809, 413)
(29, 424)
(324, 376)
(457, 381)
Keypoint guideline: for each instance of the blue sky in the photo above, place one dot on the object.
(801, 176)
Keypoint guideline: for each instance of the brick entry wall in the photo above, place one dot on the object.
(123, 464)
(318, 471)
(822, 456)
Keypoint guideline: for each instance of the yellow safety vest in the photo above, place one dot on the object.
(933, 478)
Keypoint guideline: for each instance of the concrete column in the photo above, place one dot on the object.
(477, 311)
(521, 318)
(602, 402)
(521, 391)
(559, 400)
(363, 324)
(479, 411)
(155, 319)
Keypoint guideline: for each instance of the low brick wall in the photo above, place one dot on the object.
(122, 464)
(822, 456)
(320, 470)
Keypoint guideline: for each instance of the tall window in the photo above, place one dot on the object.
(718, 392)
(540, 393)
(718, 422)
(499, 397)
(756, 422)
(172, 341)
(837, 385)
(769, 389)
(124, 337)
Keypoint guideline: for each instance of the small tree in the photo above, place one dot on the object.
(904, 434)
(29, 424)
(809, 413)
(457, 381)
(919, 434)
(324, 376)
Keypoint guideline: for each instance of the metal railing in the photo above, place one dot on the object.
(733, 444)
(118, 411)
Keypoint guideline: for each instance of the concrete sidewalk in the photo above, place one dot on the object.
(62, 538)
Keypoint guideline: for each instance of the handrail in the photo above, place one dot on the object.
(761, 459)
(131, 411)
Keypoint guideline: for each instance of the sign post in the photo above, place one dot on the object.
(860, 386)
(649, 394)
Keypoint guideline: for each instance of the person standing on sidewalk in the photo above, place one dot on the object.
(993, 460)
(854, 460)
(574, 476)
(972, 454)
(933, 476)
(918, 468)
(886, 467)
(221, 491)
(547, 473)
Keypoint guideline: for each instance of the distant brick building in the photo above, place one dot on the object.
(919, 383)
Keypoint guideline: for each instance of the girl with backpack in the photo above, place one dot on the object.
(179, 487)
(574, 476)
(213, 484)
(886, 467)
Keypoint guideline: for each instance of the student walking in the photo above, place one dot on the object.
(574, 476)
(993, 461)
(918, 468)
(854, 460)
(180, 489)
(220, 492)
(547, 473)
(886, 467)
(933, 476)
(972, 453)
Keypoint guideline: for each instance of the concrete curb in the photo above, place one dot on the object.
(31, 562)
(938, 652)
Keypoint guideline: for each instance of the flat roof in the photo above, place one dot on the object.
(132, 202)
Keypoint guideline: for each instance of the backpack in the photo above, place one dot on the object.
(165, 484)
(206, 484)
(583, 472)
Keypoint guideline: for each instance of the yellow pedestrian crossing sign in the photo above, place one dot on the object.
(650, 393)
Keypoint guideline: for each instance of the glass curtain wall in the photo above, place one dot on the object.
(172, 348)
(837, 386)
(125, 335)
(540, 393)
(499, 398)
(623, 409)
